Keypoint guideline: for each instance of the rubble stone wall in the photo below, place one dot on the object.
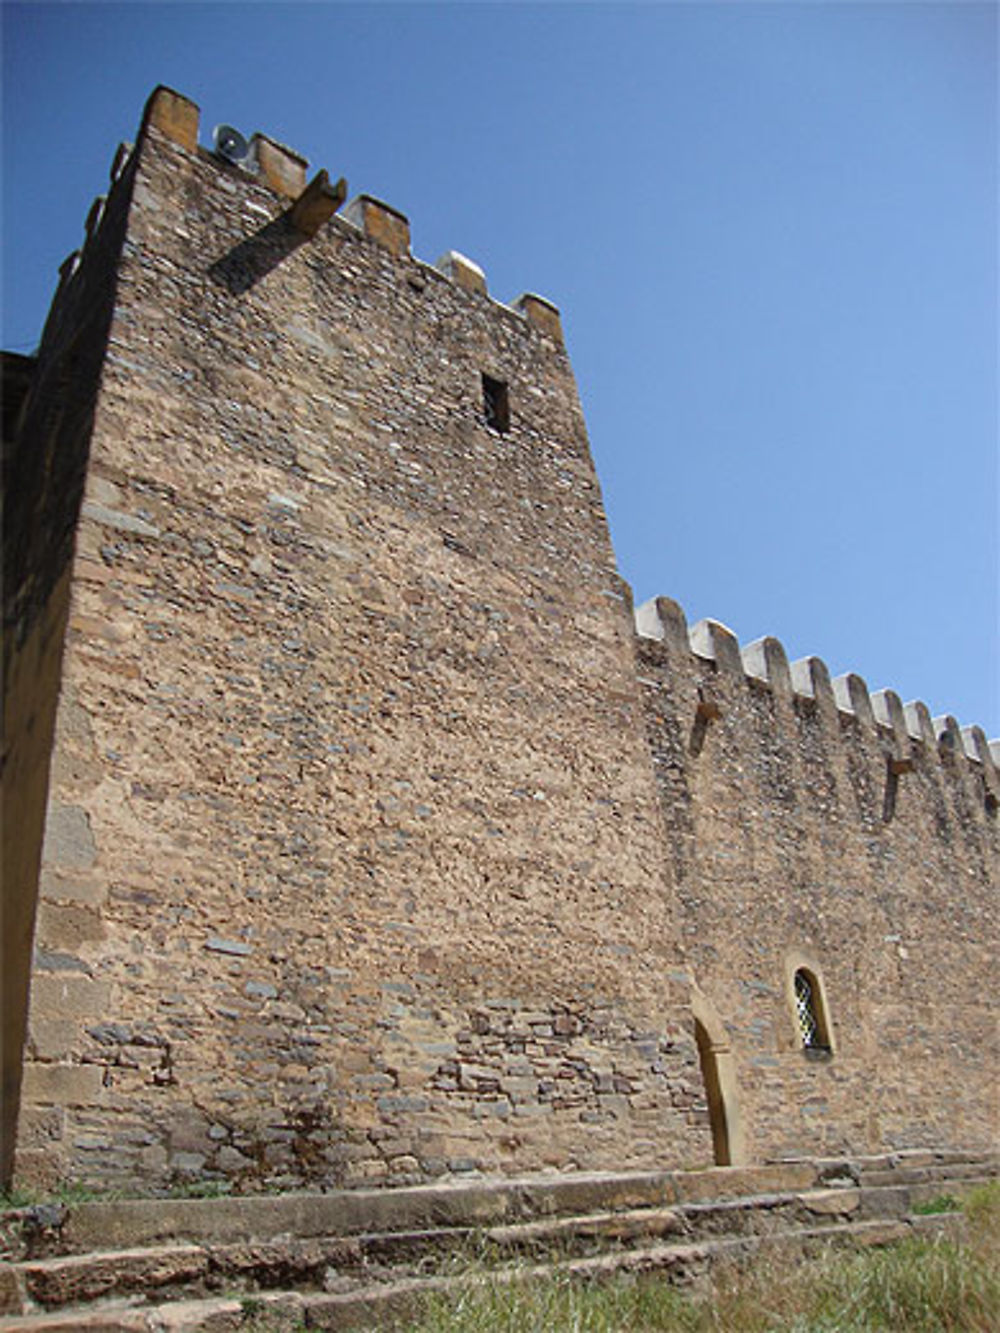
(45, 452)
(351, 868)
(811, 826)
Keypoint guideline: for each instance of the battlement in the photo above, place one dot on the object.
(765, 661)
(283, 170)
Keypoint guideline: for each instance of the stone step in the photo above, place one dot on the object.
(255, 1265)
(58, 1229)
(756, 1215)
(767, 1213)
(565, 1234)
(80, 1279)
(550, 1237)
(858, 1169)
(377, 1303)
(174, 1270)
(282, 1310)
(127, 1223)
(922, 1173)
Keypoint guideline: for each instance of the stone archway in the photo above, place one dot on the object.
(718, 1072)
(713, 1093)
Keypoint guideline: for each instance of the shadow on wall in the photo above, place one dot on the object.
(253, 259)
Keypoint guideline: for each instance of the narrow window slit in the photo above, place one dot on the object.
(496, 404)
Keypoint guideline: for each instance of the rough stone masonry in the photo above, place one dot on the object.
(352, 832)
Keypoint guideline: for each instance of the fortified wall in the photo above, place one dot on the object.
(814, 831)
(377, 845)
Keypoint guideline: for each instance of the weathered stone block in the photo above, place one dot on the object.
(191, 1163)
(833, 1202)
(463, 271)
(381, 222)
(53, 1039)
(541, 313)
(281, 168)
(69, 841)
(190, 1132)
(68, 926)
(62, 1085)
(41, 1125)
(11, 1291)
(77, 1279)
(235, 948)
(55, 995)
(57, 887)
(39, 1168)
(173, 115)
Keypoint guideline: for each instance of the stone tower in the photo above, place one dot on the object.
(351, 864)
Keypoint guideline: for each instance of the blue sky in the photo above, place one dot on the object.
(771, 229)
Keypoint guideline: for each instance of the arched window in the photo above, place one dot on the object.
(809, 1012)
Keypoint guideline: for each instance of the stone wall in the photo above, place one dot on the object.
(48, 417)
(811, 826)
(352, 863)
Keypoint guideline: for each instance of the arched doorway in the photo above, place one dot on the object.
(713, 1093)
(718, 1074)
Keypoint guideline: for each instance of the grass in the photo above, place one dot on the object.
(67, 1193)
(943, 1203)
(72, 1193)
(919, 1285)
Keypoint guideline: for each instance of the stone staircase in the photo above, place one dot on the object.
(363, 1258)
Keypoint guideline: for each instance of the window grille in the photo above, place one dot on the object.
(813, 1038)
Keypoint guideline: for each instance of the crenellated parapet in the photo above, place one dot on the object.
(901, 727)
(284, 171)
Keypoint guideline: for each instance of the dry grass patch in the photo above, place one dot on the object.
(919, 1285)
